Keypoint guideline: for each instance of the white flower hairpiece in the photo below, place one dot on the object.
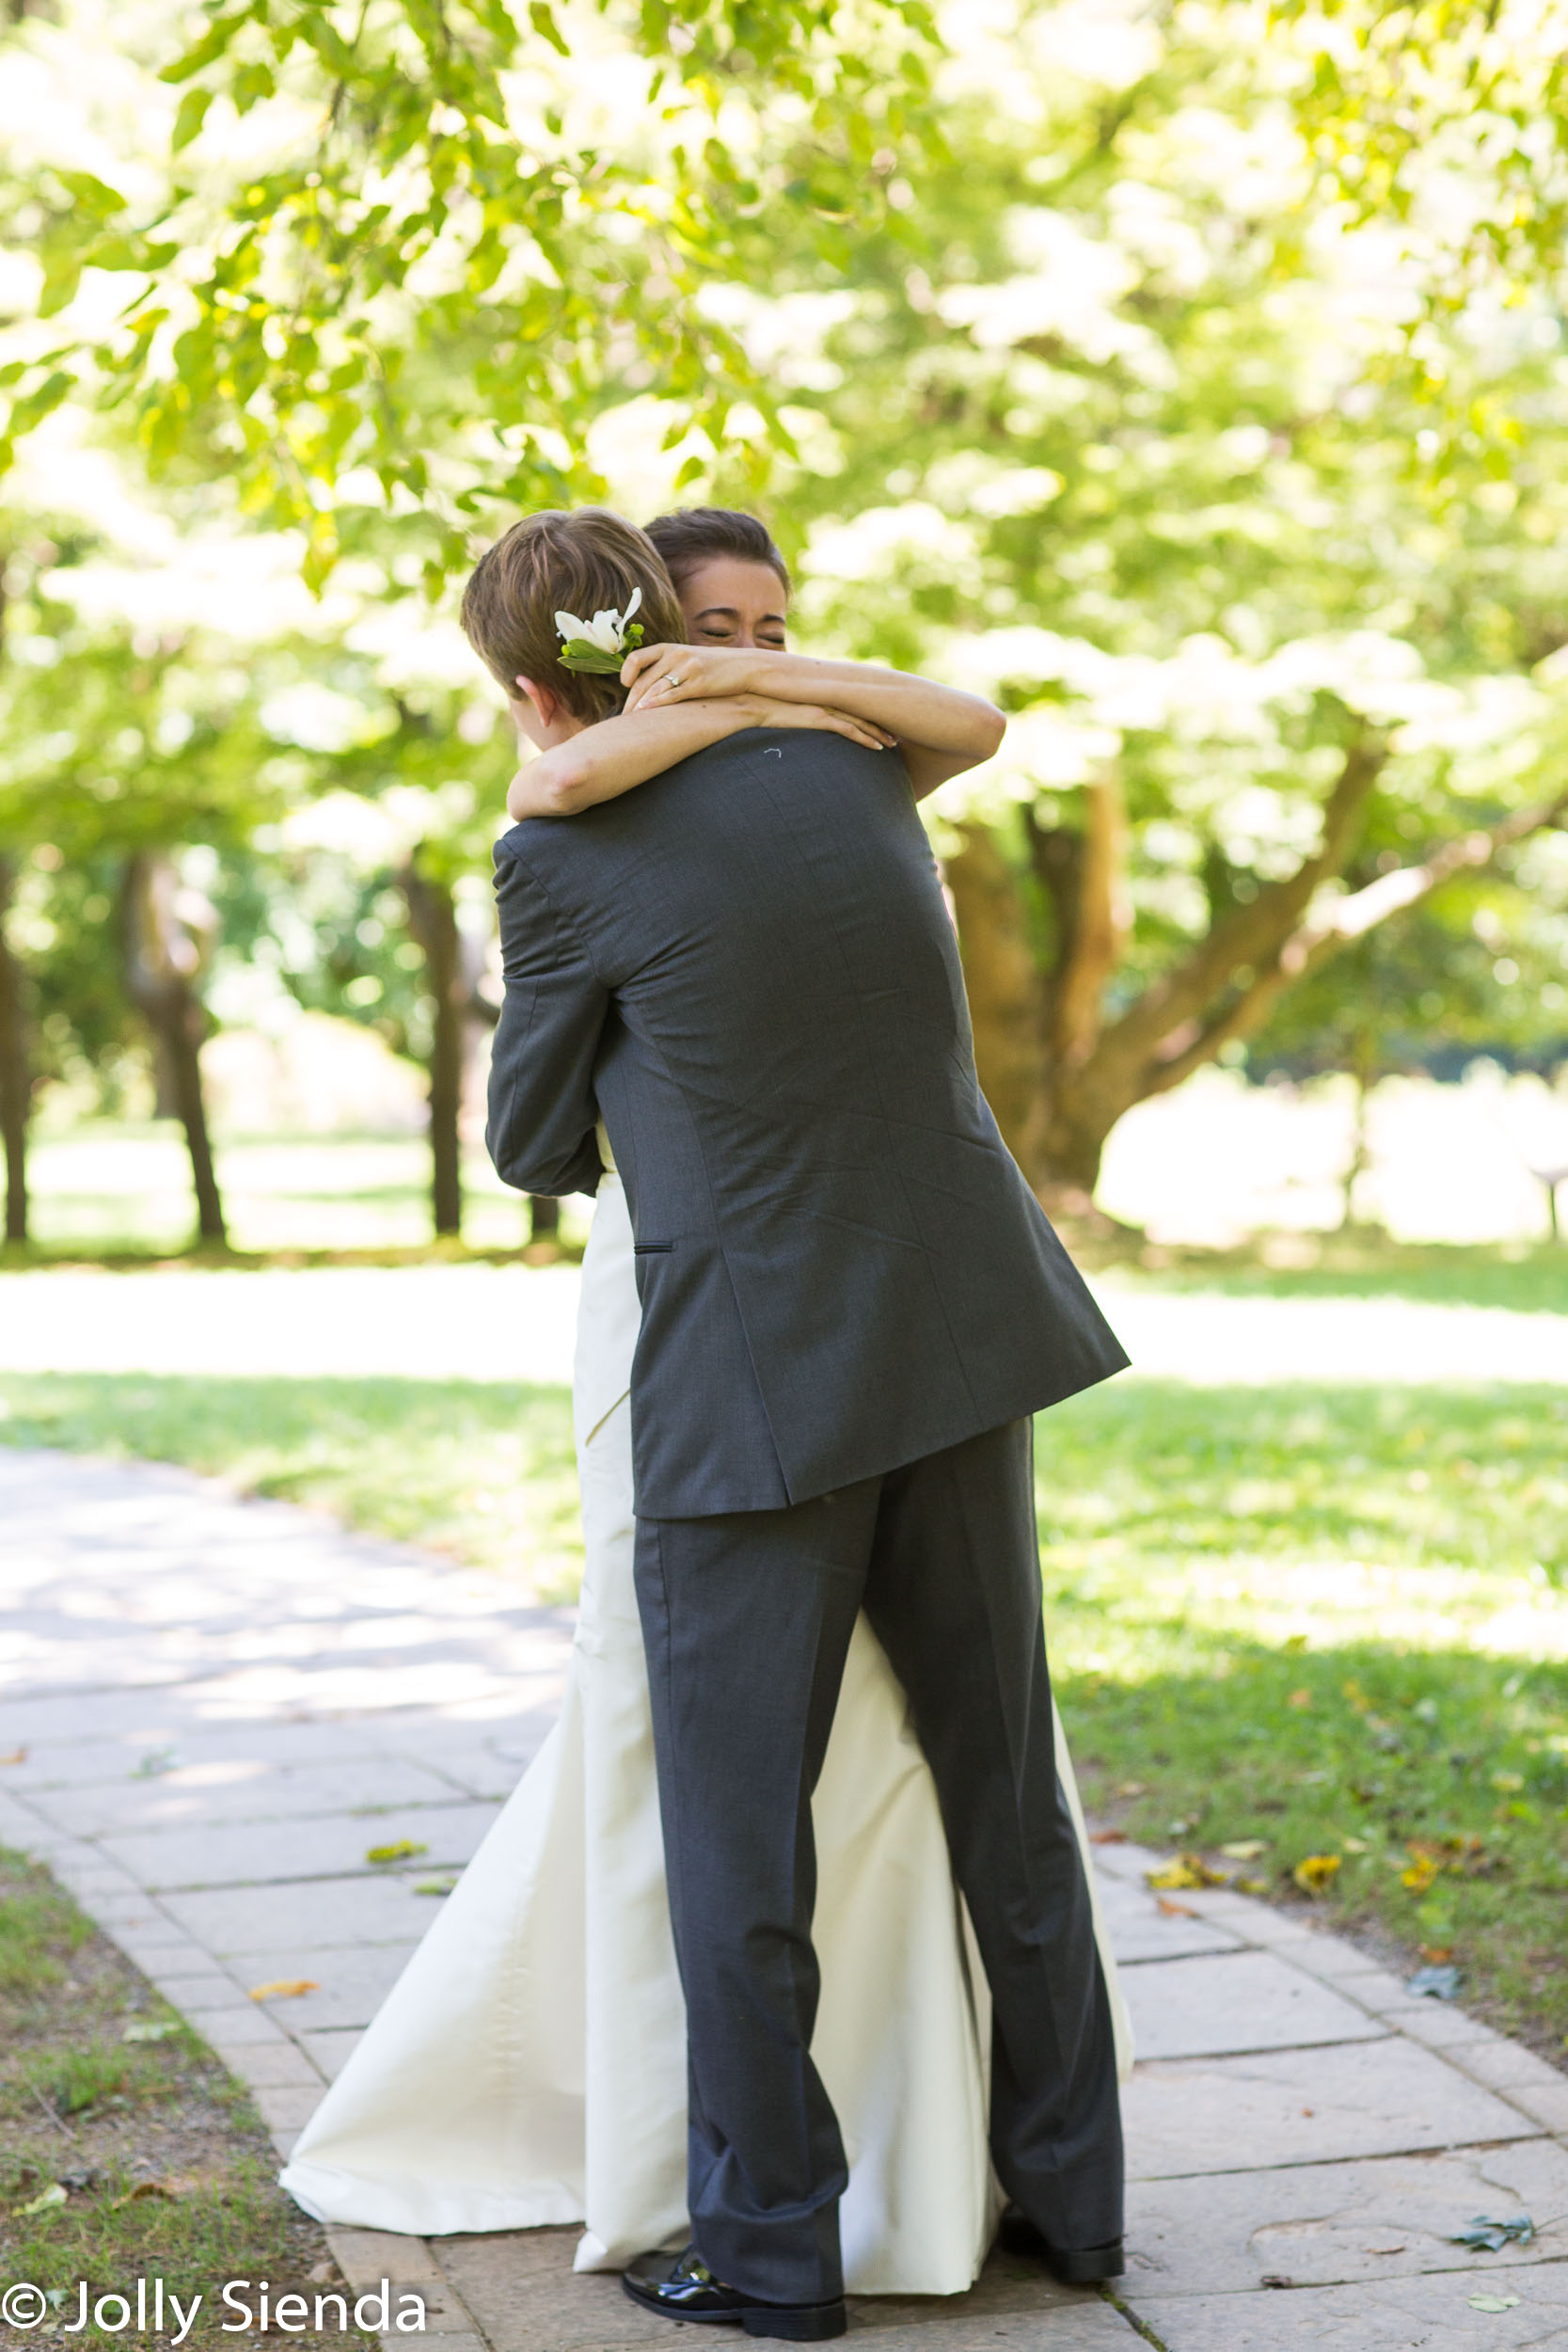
(602, 644)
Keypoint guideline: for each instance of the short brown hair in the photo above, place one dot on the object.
(693, 534)
(586, 561)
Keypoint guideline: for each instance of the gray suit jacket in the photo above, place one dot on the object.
(747, 966)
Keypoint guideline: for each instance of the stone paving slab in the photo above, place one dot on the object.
(353, 1981)
(1324, 2223)
(330, 2047)
(1144, 1926)
(165, 1732)
(321, 1694)
(1193, 2008)
(1209, 2116)
(306, 1915)
(525, 2296)
(241, 1789)
(185, 1856)
(1431, 2313)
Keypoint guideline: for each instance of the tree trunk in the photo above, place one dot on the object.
(163, 955)
(16, 1083)
(1003, 980)
(433, 920)
(1364, 1074)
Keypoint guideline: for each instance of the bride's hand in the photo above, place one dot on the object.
(660, 674)
(764, 711)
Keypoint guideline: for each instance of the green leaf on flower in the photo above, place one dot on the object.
(578, 653)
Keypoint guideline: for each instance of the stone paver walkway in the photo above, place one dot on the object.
(223, 1703)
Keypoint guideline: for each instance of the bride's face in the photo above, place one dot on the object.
(729, 602)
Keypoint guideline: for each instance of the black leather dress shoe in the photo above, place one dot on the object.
(683, 2287)
(1074, 2265)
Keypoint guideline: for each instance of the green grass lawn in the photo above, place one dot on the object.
(1529, 1279)
(130, 2160)
(1332, 1620)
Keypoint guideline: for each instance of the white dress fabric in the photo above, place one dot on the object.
(529, 2064)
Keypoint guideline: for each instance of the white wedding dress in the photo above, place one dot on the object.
(529, 2064)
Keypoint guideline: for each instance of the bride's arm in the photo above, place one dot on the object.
(617, 754)
(941, 730)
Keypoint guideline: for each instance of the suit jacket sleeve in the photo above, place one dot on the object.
(543, 1110)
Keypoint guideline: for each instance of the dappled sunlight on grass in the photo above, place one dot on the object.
(1335, 1621)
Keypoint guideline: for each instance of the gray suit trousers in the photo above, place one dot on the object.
(747, 1619)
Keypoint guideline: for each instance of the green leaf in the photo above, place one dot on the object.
(252, 84)
(192, 114)
(35, 405)
(61, 278)
(93, 196)
(542, 18)
(212, 45)
(578, 653)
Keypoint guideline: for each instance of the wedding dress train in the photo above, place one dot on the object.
(529, 2064)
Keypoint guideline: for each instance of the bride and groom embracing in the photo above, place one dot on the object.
(784, 1959)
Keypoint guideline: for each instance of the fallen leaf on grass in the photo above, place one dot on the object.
(1173, 1911)
(401, 1850)
(1188, 1870)
(1466, 1857)
(1245, 1849)
(1108, 1837)
(1133, 1788)
(1252, 1886)
(1316, 1871)
(52, 2195)
(150, 2033)
(1485, 2236)
(1494, 2302)
(1299, 1698)
(283, 1988)
(168, 2188)
(1437, 1953)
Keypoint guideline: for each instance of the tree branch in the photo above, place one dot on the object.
(1315, 944)
(1165, 1024)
